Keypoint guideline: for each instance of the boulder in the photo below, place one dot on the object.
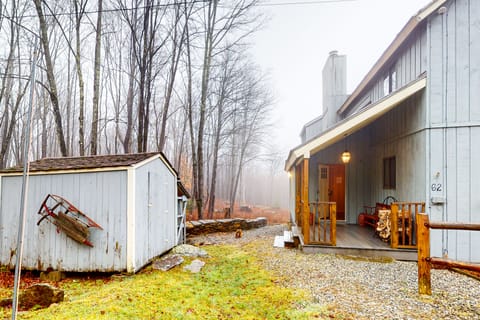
(39, 295)
(188, 250)
(168, 262)
(195, 266)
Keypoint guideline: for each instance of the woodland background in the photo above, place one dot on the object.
(115, 76)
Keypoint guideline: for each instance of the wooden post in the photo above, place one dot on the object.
(333, 224)
(305, 207)
(298, 196)
(423, 244)
(394, 228)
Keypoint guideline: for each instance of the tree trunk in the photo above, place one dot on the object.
(81, 84)
(127, 141)
(96, 82)
(51, 79)
(207, 59)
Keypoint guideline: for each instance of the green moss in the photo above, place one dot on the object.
(232, 285)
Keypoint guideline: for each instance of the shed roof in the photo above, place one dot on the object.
(87, 162)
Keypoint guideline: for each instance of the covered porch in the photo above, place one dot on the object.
(359, 240)
(387, 159)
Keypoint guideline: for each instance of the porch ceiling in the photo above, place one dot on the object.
(355, 122)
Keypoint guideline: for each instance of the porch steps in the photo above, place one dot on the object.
(288, 239)
(397, 254)
(297, 236)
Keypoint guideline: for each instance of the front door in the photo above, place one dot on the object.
(331, 186)
(337, 188)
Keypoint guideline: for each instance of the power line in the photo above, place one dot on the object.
(302, 3)
(166, 5)
(153, 6)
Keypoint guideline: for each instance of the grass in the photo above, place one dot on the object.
(232, 285)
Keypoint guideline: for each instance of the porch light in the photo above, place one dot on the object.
(346, 156)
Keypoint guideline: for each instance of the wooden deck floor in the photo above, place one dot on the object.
(361, 241)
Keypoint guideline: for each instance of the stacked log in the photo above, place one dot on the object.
(384, 225)
(224, 225)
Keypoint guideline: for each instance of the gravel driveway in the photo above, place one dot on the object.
(358, 288)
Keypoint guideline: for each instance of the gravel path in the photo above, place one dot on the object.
(358, 288)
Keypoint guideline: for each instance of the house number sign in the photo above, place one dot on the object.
(437, 187)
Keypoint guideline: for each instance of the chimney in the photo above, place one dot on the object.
(334, 80)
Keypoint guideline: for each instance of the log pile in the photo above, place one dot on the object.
(384, 225)
(224, 225)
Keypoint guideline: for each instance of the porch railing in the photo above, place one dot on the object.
(403, 224)
(425, 262)
(322, 223)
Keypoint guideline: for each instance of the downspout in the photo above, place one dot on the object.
(443, 12)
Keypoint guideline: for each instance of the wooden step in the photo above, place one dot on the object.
(287, 236)
(297, 236)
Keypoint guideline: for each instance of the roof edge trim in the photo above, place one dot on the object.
(355, 122)
(401, 37)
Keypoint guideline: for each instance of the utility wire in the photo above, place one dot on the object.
(301, 3)
(166, 5)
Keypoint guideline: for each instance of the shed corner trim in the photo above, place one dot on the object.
(131, 220)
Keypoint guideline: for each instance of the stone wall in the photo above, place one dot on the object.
(223, 225)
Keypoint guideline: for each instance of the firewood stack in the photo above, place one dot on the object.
(384, 225)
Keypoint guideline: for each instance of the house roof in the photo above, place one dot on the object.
(376, 109)
(399, 40)
(87, 162)
(353, 123)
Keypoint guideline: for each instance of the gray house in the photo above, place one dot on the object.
(411, 129)
(133, 198)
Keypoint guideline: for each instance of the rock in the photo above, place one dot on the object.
(188, 250)
(168, 262)
(224, 225)
(5, 302)
(52, 276)
(40, 295)
(195, 266)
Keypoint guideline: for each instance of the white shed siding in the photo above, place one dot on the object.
(100, 195)
(454, 118)
(156, 205)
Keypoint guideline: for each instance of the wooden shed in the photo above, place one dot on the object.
(132, 197)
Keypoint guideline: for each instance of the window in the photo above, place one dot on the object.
(389, 173)
(323, 173)
(390, 82)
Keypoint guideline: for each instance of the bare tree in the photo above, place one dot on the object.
(96, 81)
(177, 42)
(248, 129)
(51, 78)
(220, 26)
(79, 11)
(225, 93)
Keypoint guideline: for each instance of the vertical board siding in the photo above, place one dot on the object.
(410, 63)
(155, 211)
(474, 31)
(100, 195)
(454, 115)
(461, 62)
(398, 133)
(474, 190)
